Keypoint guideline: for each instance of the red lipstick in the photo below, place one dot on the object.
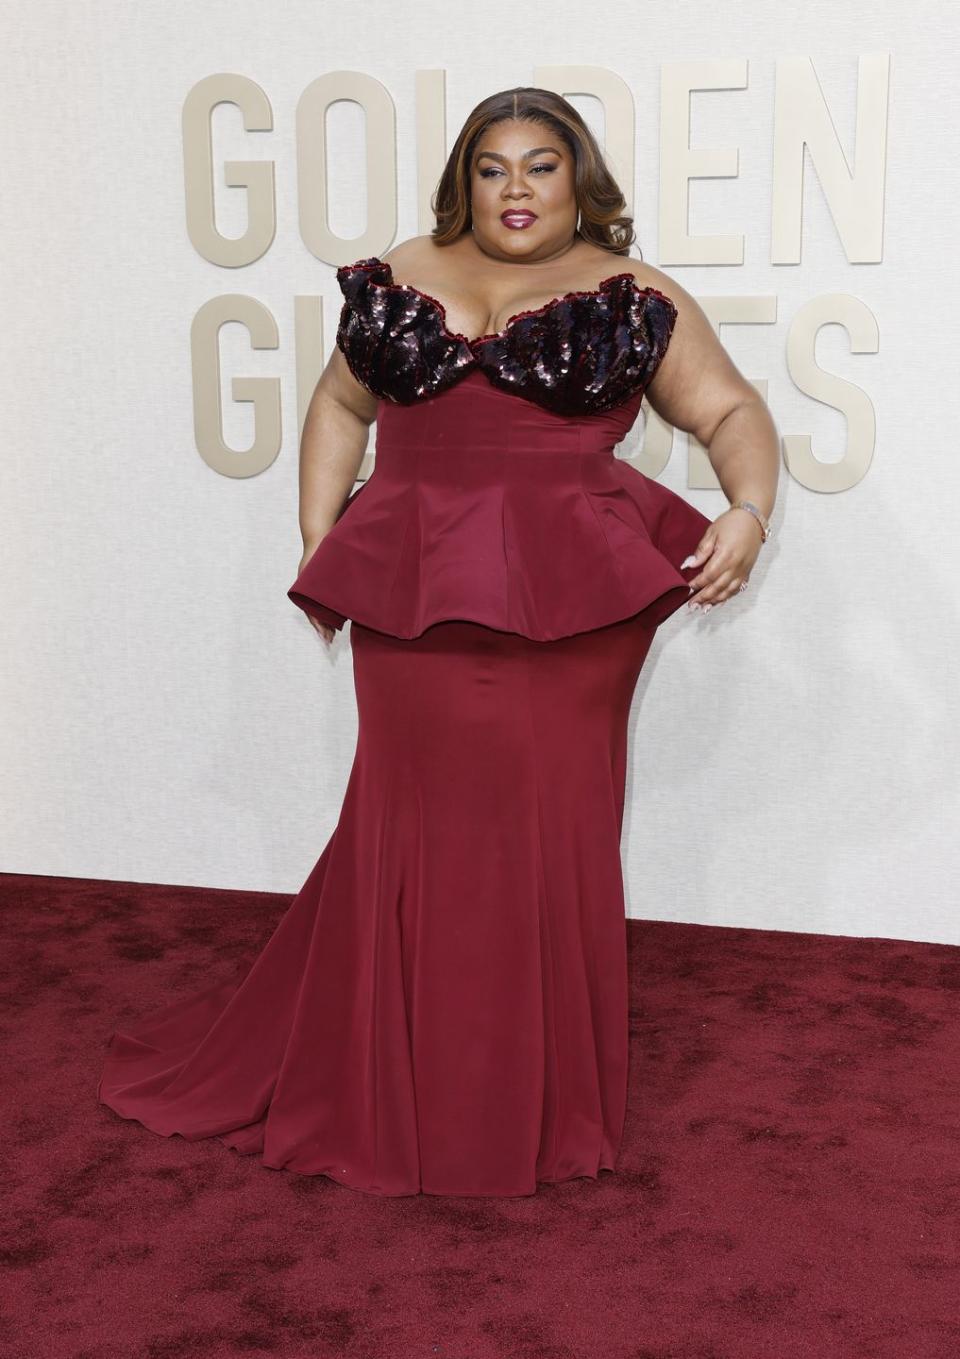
(517, 218)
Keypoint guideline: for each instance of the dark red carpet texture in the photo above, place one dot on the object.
(788, 1185)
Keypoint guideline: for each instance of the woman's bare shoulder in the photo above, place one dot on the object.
(413, 251)
(598, 264)
(649, 276)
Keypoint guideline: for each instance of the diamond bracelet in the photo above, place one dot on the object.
(751, 508)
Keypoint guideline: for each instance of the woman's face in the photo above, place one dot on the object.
(522, 186)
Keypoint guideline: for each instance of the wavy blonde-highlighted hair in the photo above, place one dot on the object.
(603, 220)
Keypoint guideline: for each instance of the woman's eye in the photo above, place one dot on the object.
(492, 170)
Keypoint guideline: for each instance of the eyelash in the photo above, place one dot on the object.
(541, 165)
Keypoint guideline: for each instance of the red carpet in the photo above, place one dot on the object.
(788, 1185)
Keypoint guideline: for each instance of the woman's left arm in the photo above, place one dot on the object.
(698, 388)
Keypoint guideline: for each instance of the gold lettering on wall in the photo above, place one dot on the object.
(857, 451)
(263, 393)
(381, 166)
(256, 176)
(854, 196)
(680, 162)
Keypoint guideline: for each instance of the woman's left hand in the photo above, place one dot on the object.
(727, 552)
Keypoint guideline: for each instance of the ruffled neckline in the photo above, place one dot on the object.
(380, 272)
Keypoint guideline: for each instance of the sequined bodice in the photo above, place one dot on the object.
(586, 351)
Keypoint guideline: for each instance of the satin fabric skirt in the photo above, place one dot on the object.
(443, 1007)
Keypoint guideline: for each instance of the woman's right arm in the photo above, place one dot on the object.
(335, 435)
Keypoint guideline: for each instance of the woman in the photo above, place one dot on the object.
(443, 1007)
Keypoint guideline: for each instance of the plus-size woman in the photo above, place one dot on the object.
(443, 1007)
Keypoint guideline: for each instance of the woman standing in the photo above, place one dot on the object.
(443, 1007)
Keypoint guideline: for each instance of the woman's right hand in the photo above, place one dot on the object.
(323, 629)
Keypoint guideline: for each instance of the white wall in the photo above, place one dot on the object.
(168, 715)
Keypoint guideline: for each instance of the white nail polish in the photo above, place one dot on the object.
(689, 561)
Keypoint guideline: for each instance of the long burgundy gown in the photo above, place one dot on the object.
(443, 1007)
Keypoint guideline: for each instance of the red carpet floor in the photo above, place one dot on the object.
(789, 1182)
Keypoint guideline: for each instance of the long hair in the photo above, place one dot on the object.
(603, 220)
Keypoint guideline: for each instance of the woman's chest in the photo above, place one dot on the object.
(585, 352)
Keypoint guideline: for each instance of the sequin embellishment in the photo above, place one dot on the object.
(583, 352)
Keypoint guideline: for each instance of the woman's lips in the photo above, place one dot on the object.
(517, 220)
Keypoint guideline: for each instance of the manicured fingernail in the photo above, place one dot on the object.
(693, 605)
(707, 608)
(690, 561)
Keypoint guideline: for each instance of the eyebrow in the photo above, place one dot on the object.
(537, 151)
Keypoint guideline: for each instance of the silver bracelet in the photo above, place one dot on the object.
(751, 508)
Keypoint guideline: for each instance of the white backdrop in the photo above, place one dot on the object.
(169, 716)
